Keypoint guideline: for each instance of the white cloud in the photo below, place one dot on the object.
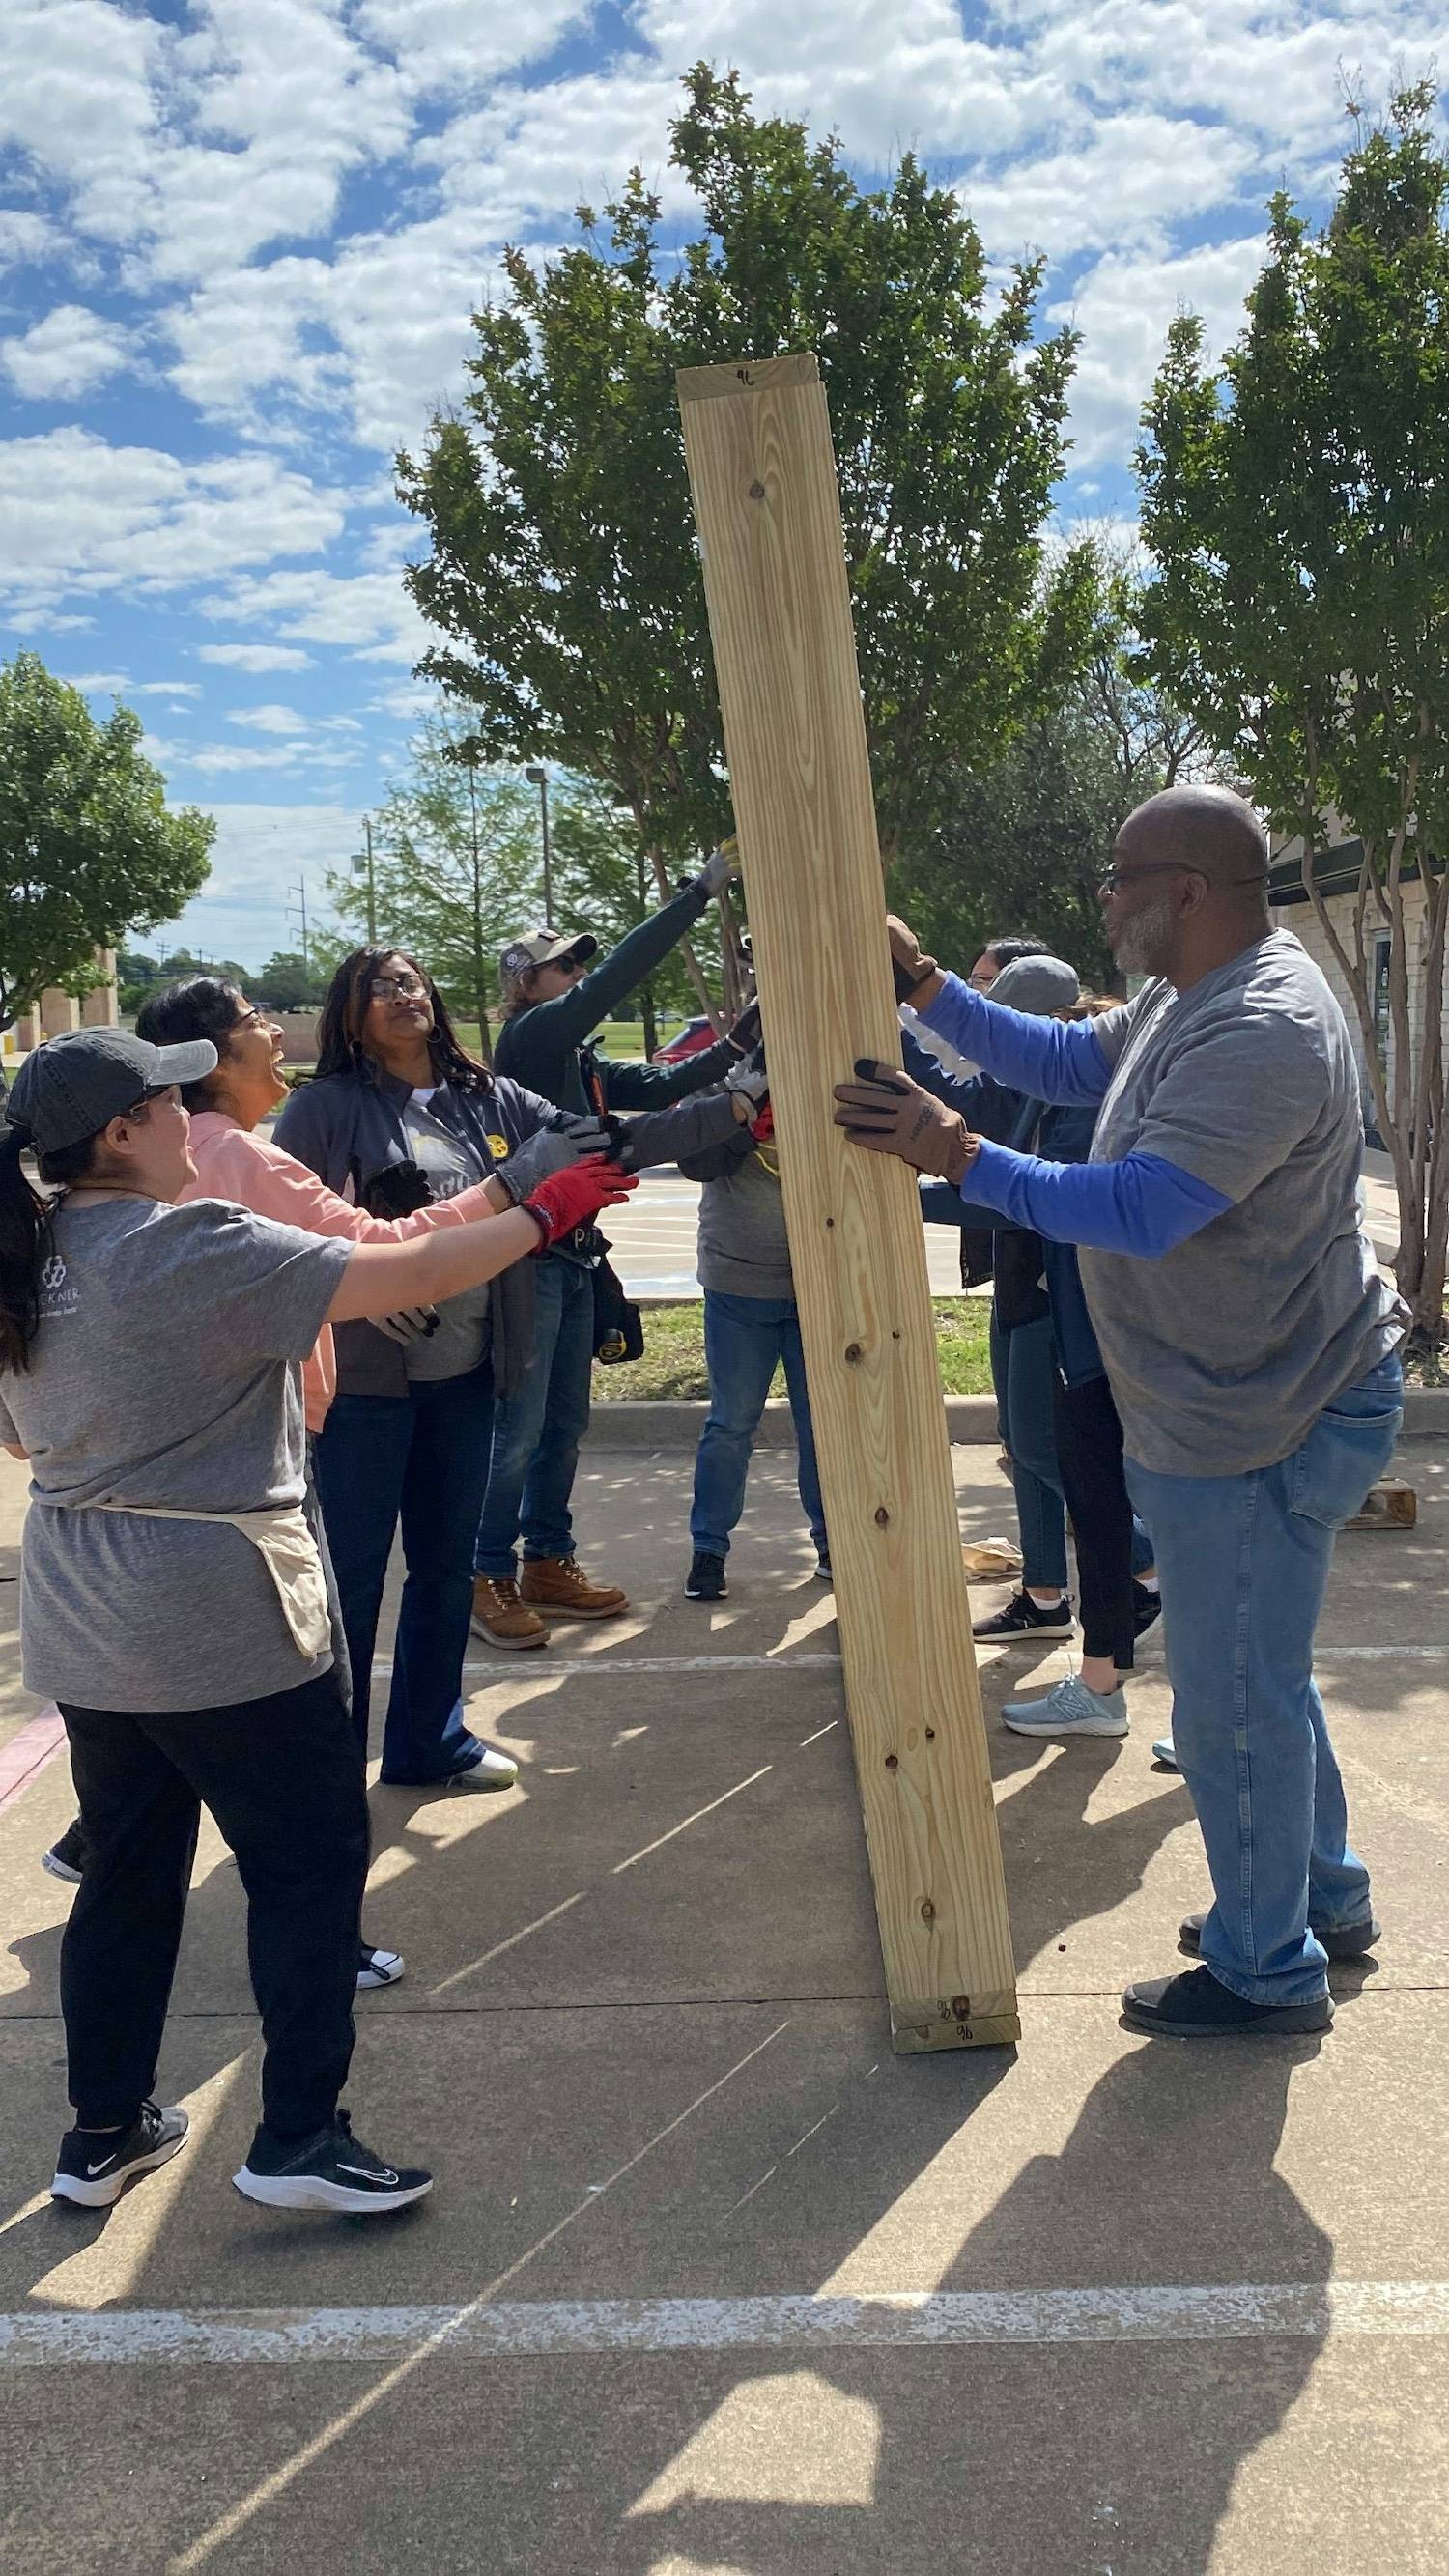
(26, 238)
(450, 47)
(1123, 308)
(269, 719)
(1122, 183)
(256, 657)
(64, 356)
(76, 96)
(258, 855)
(370, 613)
(118, 684)
(76, 512)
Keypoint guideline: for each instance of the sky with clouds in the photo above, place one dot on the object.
(240, 241)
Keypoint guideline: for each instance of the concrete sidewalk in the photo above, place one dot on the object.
(710, 2281)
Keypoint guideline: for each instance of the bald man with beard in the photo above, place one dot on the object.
(1250, 1343)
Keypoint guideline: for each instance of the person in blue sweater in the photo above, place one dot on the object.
(1251, 1344)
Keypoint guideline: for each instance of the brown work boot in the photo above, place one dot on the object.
(500, 1618)
(555, 1583)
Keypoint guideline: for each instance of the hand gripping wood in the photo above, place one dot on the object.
(757, 437)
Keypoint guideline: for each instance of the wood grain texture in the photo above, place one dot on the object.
(757, 438)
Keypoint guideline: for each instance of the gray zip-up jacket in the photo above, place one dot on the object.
(348, 1127)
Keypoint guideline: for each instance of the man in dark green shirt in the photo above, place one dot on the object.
(554, 997)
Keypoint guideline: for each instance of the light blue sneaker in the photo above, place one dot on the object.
(1164, 1751)
(1069, 1708)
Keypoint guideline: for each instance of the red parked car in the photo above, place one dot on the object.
(693, 1038)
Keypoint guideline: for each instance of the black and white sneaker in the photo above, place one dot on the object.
(95, 2165)
(1023, 1617)
(706, 1578)
(1146, 1608)
(824, 1570)
(378, 1967)
(329, 2170)
(66, 1859)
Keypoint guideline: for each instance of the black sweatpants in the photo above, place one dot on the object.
(282, 1779)
(1089, 1460)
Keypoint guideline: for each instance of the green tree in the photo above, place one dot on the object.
(562, 564)
(1023, 844)
(1297, 502)
(287, 982)
(88, 850)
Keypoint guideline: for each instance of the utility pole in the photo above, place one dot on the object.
(480, 971)
(361, 865)
(300, 891)
(539, 778)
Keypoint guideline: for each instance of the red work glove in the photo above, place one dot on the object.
(763, 1127)
(574, 1196)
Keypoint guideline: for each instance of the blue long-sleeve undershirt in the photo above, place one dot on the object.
(1141, 1205)
(1049, 1059)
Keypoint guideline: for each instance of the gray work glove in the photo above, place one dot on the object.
(551, 1150)
(410, 1324)
(749, 1081)
(720, 866)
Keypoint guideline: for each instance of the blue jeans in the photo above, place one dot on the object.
(423, 1458)
(744, 1339)
(1244, 1564)
(536, 1433)
(1023, 1367)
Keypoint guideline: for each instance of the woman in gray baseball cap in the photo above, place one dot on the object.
(173, 1599)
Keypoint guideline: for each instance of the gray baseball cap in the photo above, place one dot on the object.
(70, 1088)
(1037, 985)
(548, 948)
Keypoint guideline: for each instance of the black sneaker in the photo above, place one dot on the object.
(1023, 1617)
(329, 2170)
(824, 1570)
(706, 1578)
(1194, 2006)
(66, 1859)
(1349, 1942)
(1146, 1607)
(95, 2165)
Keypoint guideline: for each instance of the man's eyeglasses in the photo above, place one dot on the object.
(1116, 878)
(397, 988)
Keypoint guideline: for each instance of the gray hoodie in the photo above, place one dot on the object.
(743, 1250)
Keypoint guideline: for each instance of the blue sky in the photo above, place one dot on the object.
(240, 241)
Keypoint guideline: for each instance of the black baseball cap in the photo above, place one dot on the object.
(71, 1087)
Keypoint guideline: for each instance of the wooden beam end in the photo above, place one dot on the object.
(915, 2028)
(746, 376)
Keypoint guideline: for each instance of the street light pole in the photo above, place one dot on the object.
(366, 864)
(300, 890)
(539, 778)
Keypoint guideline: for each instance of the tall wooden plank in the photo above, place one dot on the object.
(757, 437)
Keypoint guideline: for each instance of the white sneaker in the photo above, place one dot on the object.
(1165, 1752)
(378, 1968)
(1068, 1709)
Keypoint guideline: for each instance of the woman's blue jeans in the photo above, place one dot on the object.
(537, 1431)
(1023, 1366)
(744, 1339)
(421, 1458)
(1244, 1565)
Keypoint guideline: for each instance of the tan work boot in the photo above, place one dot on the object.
(500, 1618)
(555, 1583)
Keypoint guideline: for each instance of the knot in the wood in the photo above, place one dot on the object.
(852, 1351)
(882, 1517)
(893, 1762)
(928, 1911)
(961, 2007)
(757, 491)
(930, 1735)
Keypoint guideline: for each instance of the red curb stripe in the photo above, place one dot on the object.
(27, 1754)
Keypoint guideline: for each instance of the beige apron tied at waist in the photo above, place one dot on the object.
(284, 1542)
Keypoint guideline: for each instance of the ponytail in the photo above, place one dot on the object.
(26, 1239)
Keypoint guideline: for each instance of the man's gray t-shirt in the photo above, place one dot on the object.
(1222, 1353)
(166, 1370)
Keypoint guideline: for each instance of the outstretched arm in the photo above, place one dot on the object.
(1142, 1205)
(1049, 1059)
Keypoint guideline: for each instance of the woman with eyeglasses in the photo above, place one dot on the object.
(398, 1115)
(173, 1599)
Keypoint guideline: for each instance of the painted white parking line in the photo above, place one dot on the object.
(513, 2329)
(569, 1667)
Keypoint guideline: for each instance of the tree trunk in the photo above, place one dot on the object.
(650, 1023)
